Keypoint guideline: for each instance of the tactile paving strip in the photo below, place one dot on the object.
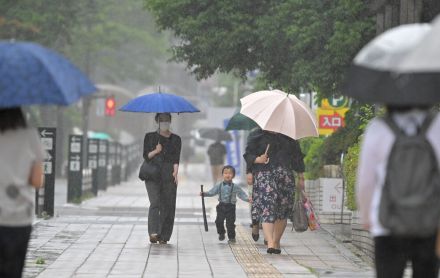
(246, 253)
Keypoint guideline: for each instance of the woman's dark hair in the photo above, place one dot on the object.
(229, 167)
(156, 118)
(11, 118)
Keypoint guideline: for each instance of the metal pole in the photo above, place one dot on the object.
(343, 187)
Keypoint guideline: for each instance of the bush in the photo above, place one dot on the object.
(350, 170)
(312, 148)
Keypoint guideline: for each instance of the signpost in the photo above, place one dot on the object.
(45, 197)
(102, 164)
(112, 160)
(93, 163)
(75, 167)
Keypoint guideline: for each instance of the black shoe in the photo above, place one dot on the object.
(276, 251)
(221, 237)
(270, 250)
(232, 240)
(255, 237)
(163, 241)
(255, 232)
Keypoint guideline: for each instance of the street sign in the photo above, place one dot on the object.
(102, 164)
(75, 167)
(233, 151)
(45, 198)
(331, 194)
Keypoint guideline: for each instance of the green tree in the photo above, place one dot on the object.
(294, 43)
(48, 22)
(117, 41)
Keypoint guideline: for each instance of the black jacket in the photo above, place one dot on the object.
(171, 147)
(283, 151)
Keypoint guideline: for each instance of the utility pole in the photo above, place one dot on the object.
(91, 8)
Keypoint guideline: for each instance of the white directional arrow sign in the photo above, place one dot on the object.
(47, 156)
(75, 157)
(45, 132)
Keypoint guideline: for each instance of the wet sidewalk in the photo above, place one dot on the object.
(107, 237)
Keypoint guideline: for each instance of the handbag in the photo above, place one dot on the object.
(311, 216)
(299, 216)
(149, 171)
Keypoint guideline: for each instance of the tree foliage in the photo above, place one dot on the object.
(48, 22)
(293, 43)
(117, 41)
(110, 39)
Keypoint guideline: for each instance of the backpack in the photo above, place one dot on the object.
(410, 201)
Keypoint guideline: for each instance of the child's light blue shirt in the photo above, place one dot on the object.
(225, 190)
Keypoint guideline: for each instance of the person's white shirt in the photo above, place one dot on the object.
(19, 150)
(375, 149)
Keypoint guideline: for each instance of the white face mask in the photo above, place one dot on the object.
(164, 126)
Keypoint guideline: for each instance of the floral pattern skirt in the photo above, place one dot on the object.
(273, 195)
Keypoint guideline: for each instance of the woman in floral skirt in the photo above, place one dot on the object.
(273, 158)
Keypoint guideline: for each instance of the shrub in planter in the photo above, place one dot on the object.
(312, 148)
(350, 171)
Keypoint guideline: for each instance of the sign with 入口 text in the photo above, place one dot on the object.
(331, 114)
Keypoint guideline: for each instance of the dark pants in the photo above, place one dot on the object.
(392, 254)
(226, 211)
(13, 246)
(162, 196)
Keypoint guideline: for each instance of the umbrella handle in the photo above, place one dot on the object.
(267, 149)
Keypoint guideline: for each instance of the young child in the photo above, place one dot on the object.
(228, 192)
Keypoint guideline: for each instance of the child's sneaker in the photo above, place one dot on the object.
(221, 237)
(231, 240)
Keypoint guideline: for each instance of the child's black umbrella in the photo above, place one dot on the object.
(203, 209)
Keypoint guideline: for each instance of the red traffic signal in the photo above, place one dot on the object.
(110, 105)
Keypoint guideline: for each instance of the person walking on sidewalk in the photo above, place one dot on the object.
(163, 147)
(392, 249)
(228, 192)
(273, 157)
(21, 168)
(216, 153)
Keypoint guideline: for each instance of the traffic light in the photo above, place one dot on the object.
(110, 106)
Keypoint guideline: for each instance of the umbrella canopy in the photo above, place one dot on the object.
(214, 133)
(280, 112)
(240, 122)
(399, 67)
(32, 74)
(159, 103)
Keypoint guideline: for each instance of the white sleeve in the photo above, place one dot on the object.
(36, 145)
(366, 176)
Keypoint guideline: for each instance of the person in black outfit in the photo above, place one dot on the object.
(163, 148)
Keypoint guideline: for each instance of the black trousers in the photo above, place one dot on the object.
(225, 211)
(162, 196)
(13, 246)
(392, 254)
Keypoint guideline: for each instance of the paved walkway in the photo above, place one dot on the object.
(107, 237)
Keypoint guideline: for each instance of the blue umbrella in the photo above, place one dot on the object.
(32, 74)
(159, 103)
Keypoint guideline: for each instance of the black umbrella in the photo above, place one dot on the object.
(205, 221)
(398, 67)
(214, 133)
